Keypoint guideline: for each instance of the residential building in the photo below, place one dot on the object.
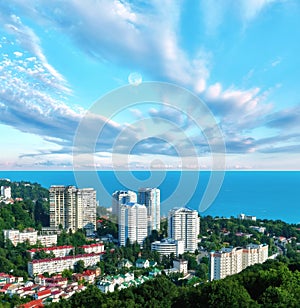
(58, 251)
(6, 192)
(259, 229)
(125, 263)
(246, 217)
(88, 203)
(30, 235)
(57, 265)
(93, 248)
(254, 253)
(142, 263)
(63, 251)
(150, 197)
(47, 240)
(232, 260)
(181, 265)
(122, 197)
(132, 223)
(72, 208)
(166, 247)
(184, 224)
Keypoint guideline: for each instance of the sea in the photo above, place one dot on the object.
(265, 194)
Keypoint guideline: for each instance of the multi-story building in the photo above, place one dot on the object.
(57, 265)
(150, 197)
(184, 224)
(254, 253)
(30, 235)
(122, 197)
(58, 251)
(132, 221)
(88, 203)
(63, 251)
(72, 208)
(6, 192)
(230, 261)
(167, 246)
(47, 240)
(246, 217)
(181, 265)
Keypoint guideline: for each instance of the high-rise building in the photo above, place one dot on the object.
(88, 204)
(184, 224)
(150, 197)
(132, 221)
(72, 208)
(122, 197)
(232, 260)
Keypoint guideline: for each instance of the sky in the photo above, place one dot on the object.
(62, 61)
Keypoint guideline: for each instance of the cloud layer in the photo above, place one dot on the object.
(36, 98)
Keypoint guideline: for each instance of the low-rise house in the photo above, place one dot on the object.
(125, 263)
(142, 263)
(155, 272)
(33, 304)
(7, 278)
(181, 265)
(106, 286)
(258, 229)
(42, 294)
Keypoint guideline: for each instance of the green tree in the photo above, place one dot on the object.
(79, 266)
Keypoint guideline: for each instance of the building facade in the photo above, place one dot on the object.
(72, 208)
(230, 261)
(132, 221)
(184, 224)
(16, 237)
(150, 197)
(167, 246)
(122, 197)
(63, 251)
(57, 265)
(6, 192)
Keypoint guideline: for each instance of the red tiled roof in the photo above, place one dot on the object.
(51, 248)
(33, 304)
(44, 292)
(67, 257)
(6, 286)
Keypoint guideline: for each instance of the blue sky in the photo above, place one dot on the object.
(240, 57)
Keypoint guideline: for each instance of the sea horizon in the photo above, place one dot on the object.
(265, 194)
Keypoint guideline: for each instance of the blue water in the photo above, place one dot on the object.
(265, 194)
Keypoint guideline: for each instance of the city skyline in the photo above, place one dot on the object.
(239, 57)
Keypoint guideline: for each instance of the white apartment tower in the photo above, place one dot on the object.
(150, 197)
(88, 203)
(72, 208)
(122, 197)
(132, 221)
(184, 224)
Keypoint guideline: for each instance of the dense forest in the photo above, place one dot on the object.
(272, 284)
(32, 211)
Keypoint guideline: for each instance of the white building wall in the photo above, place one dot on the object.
(150, 197)
(231, 261)
(132, 223)
(57, 265)
(183, 224)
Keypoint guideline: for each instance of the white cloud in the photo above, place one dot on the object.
(29, 41)
(217, 11)
(249, 10)
(18, 54)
